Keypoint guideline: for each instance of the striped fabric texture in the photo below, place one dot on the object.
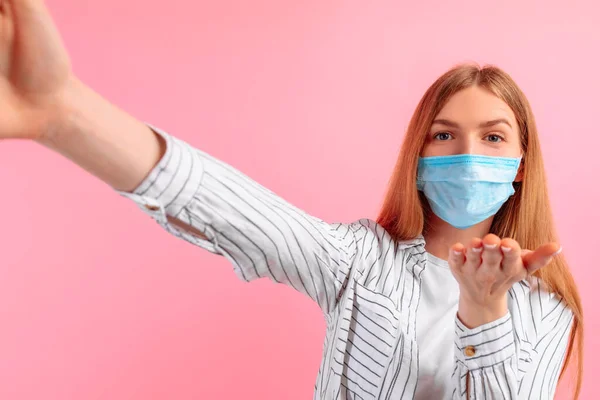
(367, 285)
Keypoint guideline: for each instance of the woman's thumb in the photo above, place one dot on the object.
(534, 260)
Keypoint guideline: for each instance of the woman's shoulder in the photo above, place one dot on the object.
(376, 233)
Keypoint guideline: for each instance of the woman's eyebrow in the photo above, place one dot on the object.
(486, 124)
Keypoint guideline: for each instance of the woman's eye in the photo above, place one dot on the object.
(494, 138)
(442, 136)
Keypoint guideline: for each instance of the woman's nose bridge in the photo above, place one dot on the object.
(468, 144)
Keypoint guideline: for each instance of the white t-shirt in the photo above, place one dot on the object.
(435, 329)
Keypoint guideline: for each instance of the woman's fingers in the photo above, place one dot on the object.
(456, 257)
(473, 256)
(491, 256)
(534, 260)
(511, 257)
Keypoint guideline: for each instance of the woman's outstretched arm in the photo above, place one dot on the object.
(189, 193)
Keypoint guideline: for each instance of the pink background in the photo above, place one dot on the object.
(311, 99)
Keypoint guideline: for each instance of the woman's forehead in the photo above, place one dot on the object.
(474, 106)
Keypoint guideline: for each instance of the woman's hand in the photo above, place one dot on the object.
(42, 99)
(34, 69)
(486, 269)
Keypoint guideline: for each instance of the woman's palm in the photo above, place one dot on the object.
(34, 68)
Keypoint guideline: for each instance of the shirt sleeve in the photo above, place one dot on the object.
(258, 232)
(498, 364)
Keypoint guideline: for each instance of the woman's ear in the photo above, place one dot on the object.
(520, 173)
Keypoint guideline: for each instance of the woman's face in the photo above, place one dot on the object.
(474, 121)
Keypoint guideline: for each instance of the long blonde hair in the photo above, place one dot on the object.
(527, 219)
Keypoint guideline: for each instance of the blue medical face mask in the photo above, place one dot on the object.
(466, 189)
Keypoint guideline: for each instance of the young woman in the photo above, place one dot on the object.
(439, 298)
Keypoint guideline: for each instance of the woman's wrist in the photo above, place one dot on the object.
(101, 138)
(473, 315)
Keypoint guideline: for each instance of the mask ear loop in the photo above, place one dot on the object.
(520, 171)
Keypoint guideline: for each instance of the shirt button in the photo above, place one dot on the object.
(469, 351)
(152, 207)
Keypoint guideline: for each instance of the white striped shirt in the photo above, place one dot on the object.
(367, 285)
